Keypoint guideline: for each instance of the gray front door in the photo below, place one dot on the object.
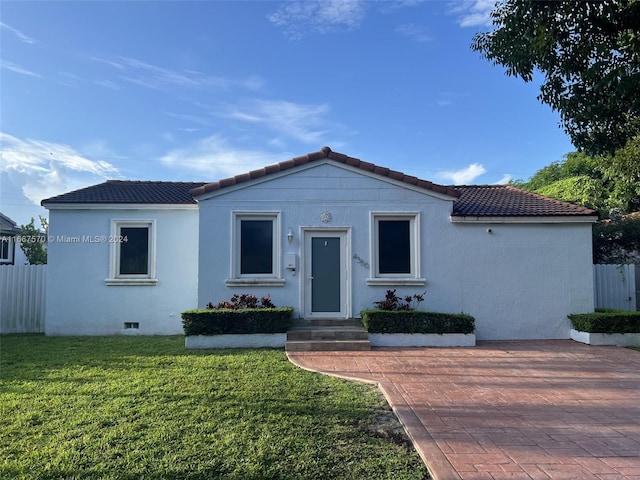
(325, 274)
(326, 286)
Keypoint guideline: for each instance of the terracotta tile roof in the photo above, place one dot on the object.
(475, 201)
(509, 201)
(120, 191)
(325, 153)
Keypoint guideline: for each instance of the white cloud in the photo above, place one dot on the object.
(318, 16)
(306, 123)
(414, 32)
(21, 36)
(449, 98)
(44, 169)
(18, 69)
(107, 84)
(464, 176)
(214, 158)
(151, 76)
(69, 79)
(190, 118)
(474, 13)
(506, 178)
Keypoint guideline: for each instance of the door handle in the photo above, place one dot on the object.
(310, 278)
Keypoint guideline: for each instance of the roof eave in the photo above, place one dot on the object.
(117, 206)
(523, 218)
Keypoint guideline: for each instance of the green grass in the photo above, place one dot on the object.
(144, 408)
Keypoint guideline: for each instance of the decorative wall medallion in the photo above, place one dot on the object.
(325, 217)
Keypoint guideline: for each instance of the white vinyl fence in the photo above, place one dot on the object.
(22, 298)
(615, 286)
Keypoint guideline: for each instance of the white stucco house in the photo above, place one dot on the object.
(325, 233)
(10, 251)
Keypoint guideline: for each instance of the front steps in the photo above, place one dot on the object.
(327, 335)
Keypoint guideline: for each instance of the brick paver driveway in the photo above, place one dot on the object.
(525, 410)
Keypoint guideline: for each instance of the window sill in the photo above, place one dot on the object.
(131, 281)
(396, 281)
(255, 282)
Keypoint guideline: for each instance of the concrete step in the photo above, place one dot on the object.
(329, 322)
(328, 345)
(327, 333)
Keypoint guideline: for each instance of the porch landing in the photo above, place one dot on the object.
(327, 334)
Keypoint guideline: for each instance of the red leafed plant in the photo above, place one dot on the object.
(393, 302)
(243, 301)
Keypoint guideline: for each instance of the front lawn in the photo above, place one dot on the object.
(143, 407)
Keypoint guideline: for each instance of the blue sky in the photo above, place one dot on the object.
(201, 90)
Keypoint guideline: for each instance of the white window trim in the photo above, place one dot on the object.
(116, 278)
(265, 279)
(414, 276)
(11, 247)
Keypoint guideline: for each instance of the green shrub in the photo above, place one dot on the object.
(248, 320)
(385, 321)
(607, 321)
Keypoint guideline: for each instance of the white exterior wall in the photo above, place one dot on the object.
(520, 282)
(301, 198)
(79, 302)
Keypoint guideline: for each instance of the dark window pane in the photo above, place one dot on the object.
(394, 248)
(134, 251)
(4, 248)
(256, 246)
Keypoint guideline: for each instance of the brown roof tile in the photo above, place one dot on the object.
(324, 153)
(475, 200)
(121, 191)
(507, 200)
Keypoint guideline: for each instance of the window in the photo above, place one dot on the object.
(6, 249)
(256, 249)
(132, 253)
(394, 246)
(395, 249)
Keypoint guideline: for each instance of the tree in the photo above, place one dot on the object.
(605, 184)
(617, 240)
(622, 170)
(33, 241)
(577, 178)
(589, 53)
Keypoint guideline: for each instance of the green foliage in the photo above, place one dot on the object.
(144, 408)
(33, 242)
(393, 302)
(574, 164)
(588, 53)
(385, 321)
(577, 178)
(616, 240)
(227, 321)
(622, 170)
(617, 321)
(581, 190)
(606, 184)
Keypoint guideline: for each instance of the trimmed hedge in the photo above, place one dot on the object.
(226, 321)
(385, 321)
(609, 321)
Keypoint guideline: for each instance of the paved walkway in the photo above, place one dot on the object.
(525, 410)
